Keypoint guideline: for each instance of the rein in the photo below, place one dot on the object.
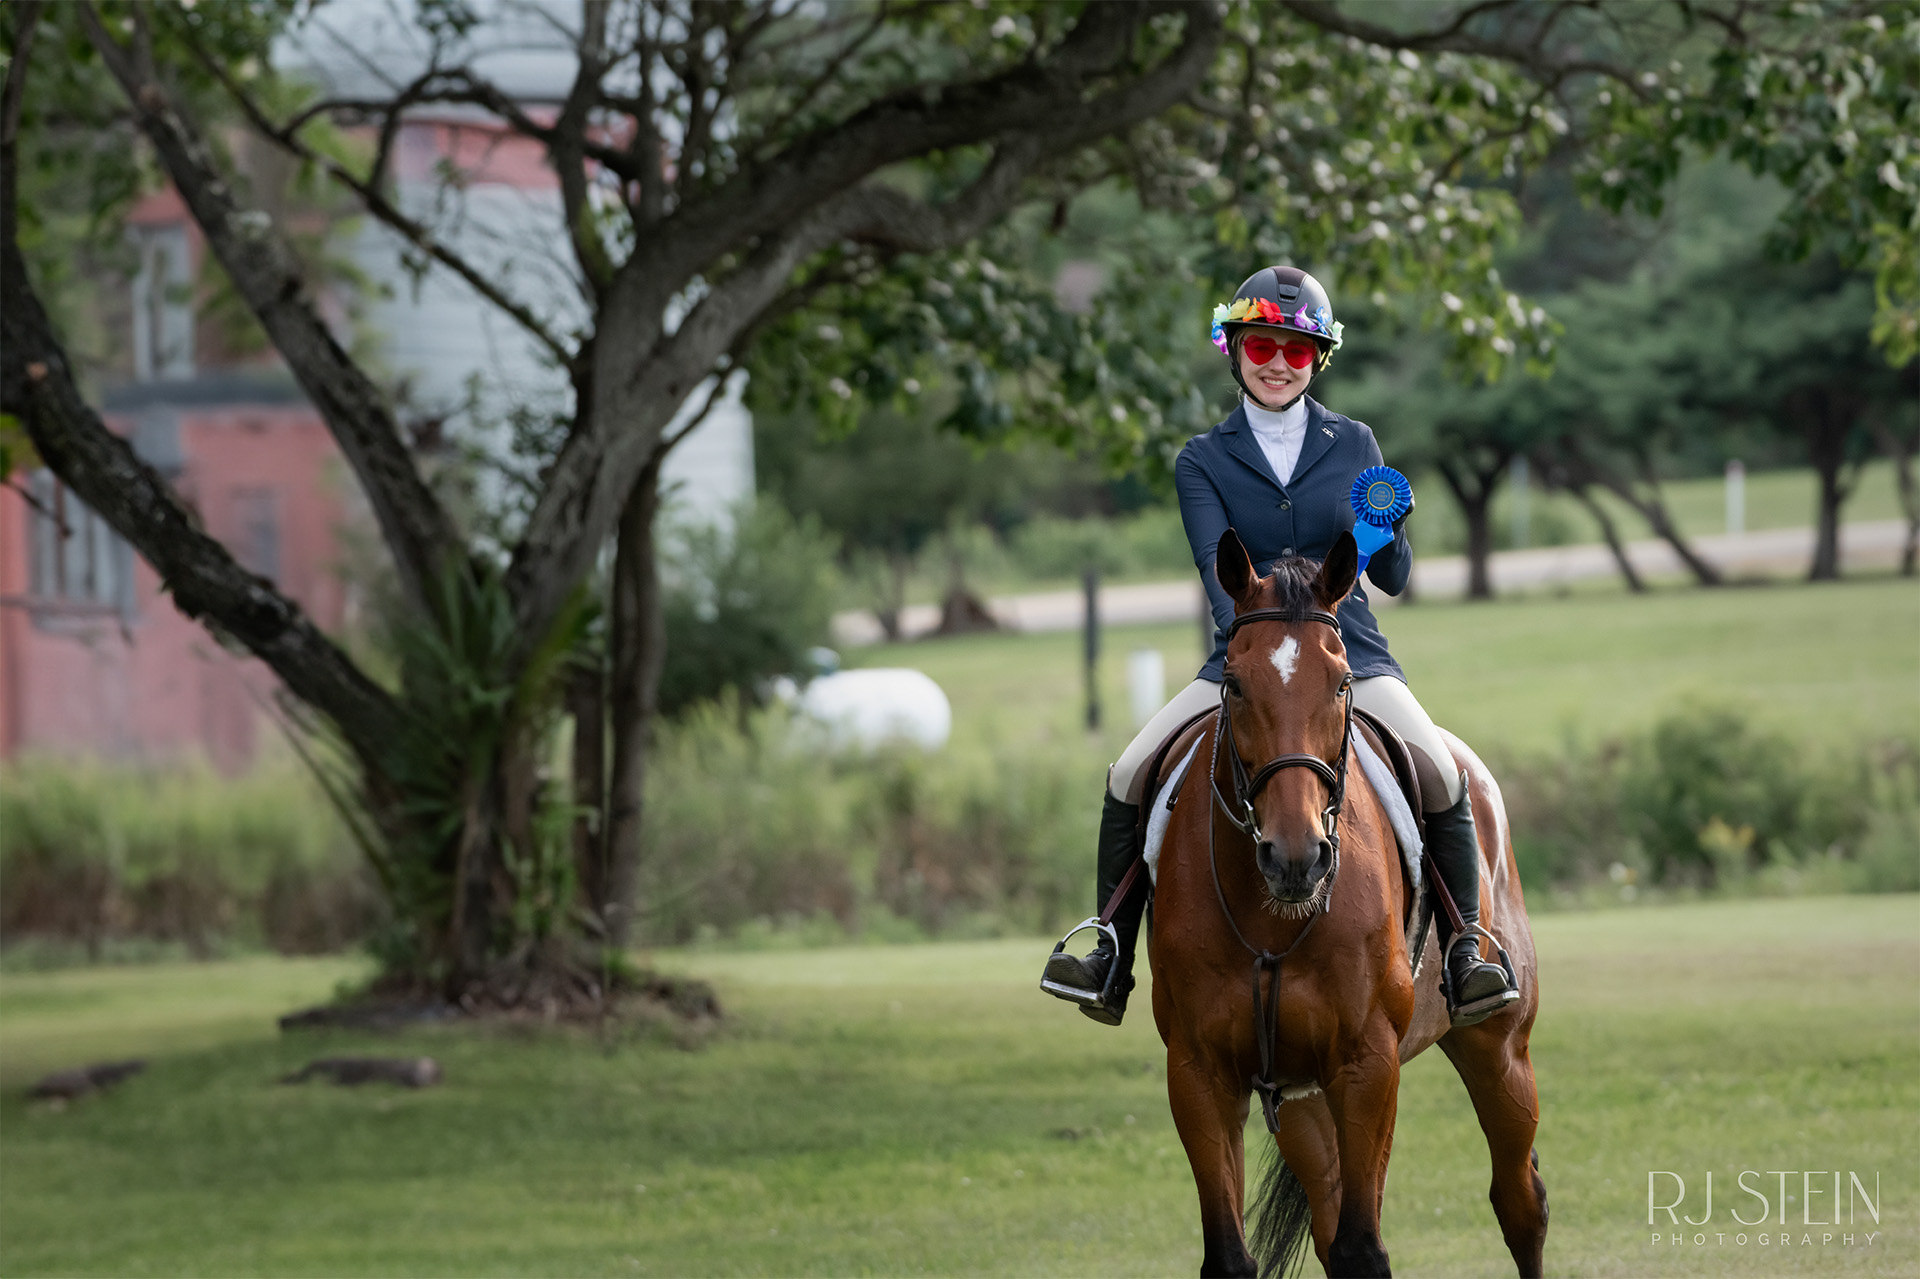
(1247, 787)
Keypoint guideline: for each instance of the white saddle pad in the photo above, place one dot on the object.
(1385, 785)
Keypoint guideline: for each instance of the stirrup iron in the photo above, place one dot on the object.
(1480, 1009)
(1073, 994)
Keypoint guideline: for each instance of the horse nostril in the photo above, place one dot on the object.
(1263, 853)
(1323, 856)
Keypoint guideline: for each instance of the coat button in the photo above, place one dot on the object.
(1287, 550)
(1286, 505)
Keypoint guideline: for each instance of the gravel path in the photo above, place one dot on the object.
(1875, 543)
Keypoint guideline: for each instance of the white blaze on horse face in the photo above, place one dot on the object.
(1286, 658)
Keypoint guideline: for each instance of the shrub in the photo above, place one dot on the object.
(1707, 765)
(1705, 799)
(748, 833)
(742, 605)
(94, 854)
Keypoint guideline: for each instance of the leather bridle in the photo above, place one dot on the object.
(1246, 787)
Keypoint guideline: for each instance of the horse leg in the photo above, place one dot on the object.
(1311, 1148)
(1364, 1095)
(1210, 1113)
(1493, 1064)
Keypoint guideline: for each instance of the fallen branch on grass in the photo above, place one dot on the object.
(351, 1072)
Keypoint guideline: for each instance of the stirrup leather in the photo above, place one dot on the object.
(1480, 1009)
(1073, 994)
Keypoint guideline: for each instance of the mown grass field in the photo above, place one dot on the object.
(924, 1110)
(1520, 676)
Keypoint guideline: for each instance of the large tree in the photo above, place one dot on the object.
(736, 179)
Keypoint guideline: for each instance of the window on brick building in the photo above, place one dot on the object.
(163, 304)
(256, 531)
(77, 558)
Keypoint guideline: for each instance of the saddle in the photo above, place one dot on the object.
(1384, 742)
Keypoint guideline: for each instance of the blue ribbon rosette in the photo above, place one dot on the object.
(1380, 496)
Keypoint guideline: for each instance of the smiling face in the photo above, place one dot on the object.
(1276, 383)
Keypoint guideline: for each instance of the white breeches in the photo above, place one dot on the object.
(1382, 695)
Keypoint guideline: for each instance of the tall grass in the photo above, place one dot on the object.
(754, 836)
(752, 833)
(115, 859)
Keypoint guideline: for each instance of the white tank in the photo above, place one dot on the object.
(866, 709)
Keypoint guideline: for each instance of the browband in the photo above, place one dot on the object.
(1281, 615)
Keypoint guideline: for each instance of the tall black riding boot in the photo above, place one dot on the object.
(1476, 989)
(1083, 981)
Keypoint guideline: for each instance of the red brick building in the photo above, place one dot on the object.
(94, 658)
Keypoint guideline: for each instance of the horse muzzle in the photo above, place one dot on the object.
(1294, 872)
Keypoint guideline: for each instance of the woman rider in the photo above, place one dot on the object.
(1278, 471)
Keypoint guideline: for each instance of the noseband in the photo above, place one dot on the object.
(1266, 1005)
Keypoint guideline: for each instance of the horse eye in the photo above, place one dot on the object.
(1233, 686)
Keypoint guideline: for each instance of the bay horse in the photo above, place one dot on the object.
(1270, 892)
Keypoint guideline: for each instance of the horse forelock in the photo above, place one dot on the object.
(1290, 585)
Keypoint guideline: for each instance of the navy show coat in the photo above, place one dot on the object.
(1224, 480)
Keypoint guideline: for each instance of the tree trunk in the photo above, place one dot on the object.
(1826, 539)
(1832, 416)
(961, 611)
(898, 565)
(587, 704)
(1901, 451)
(1611, 533)
(1476, 504)
(497, 812)
(639, 653)
(1653, 509)
(1575, 470)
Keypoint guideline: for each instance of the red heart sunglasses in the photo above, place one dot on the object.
(1262, 347)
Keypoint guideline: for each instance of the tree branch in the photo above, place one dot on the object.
(1046, 95)
(267, 274)
(812, 89)
(377, 204)
(1454, 38)
(26, 20)
(566, 148)
(792, 208)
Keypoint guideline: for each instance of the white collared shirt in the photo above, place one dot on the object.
(1280, 434)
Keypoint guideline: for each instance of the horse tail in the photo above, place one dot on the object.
(1279, 1225)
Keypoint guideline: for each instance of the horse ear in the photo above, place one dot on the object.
(1232, 567)
(1337, 573)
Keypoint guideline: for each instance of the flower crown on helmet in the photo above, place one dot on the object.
(1320, 323)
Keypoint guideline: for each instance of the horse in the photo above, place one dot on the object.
(1308, 881)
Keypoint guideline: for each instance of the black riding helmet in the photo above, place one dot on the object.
(1278, 297)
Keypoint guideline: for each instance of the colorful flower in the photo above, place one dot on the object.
(1260, 310)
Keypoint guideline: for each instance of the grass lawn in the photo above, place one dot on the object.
(1520, 675)
(925, 1110)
